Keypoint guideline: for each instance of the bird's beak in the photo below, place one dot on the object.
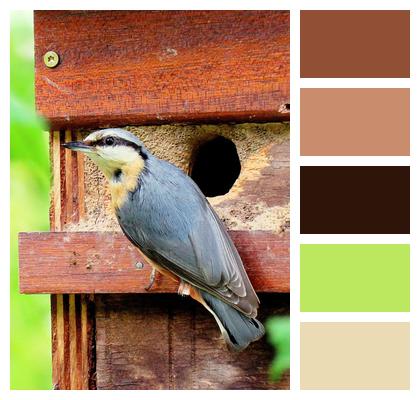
(79, 146)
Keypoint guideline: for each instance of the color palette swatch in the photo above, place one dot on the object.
(350, 355)
(355, 277)
(342, 199)
(357, 123)
(355, 44)
(363, 199)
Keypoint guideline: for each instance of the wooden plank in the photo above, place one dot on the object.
(86, 339)
(72, 316)
(57, 307)
(95, 262)
(73, 343)
(154, 67)
(58, 344)
(170, 342)
(55, 213)
(80, 180)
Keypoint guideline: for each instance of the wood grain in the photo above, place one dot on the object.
(80, 180)
(55, 207)
(154, 67)
(72, 315)
(139, 346)
(94, 262)
(68, 168)
(57, 336)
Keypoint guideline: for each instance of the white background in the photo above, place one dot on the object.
(296, 83)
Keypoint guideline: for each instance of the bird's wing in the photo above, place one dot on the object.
(198, 250)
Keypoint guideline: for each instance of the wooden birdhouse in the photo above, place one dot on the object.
(207, 91)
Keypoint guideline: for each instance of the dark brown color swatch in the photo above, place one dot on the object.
(355, 200)
(360, 122)
(350, 44)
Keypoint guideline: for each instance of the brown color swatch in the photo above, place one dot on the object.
(338, 200)
(353, 355)
(360, 122)
(355, 44)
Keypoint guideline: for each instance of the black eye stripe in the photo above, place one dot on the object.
(117, 141)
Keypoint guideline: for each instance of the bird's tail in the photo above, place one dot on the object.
(238, 330)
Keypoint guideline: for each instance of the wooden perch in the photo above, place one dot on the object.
(106, 262)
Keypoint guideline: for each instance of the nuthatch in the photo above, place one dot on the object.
(165, 215)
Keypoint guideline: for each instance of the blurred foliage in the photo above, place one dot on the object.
(29, 191)
(278, 335)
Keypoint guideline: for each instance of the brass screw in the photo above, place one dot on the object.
(51, 59)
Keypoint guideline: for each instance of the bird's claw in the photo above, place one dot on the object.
(183, 288)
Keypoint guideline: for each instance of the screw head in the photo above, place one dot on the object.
(51, 59)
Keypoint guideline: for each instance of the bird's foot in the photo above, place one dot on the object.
(151, 280)
(184, 288)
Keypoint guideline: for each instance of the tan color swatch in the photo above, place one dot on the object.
(355, 44)
(355, 355)
(355, 122)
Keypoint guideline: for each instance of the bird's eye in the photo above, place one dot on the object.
(109, 141)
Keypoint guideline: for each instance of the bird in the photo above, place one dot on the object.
(163, 213)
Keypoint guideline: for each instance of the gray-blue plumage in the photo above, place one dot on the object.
(163, 212)
(173, 224)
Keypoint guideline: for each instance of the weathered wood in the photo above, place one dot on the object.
(105, 262)
(69, 167)
(154, 67)
(81, 180)
(55, 206)
(140, 347)
(57, 339)
(72, 315)
(259, 198)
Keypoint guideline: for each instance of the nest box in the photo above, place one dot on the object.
(207, 91)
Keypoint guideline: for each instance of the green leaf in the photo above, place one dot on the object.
(278, 335)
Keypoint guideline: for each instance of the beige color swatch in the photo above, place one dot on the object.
(355, 122)
(353, 355)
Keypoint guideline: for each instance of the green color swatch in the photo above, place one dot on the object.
(354, 277)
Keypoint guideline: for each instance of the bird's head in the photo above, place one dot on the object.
(115, 151)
